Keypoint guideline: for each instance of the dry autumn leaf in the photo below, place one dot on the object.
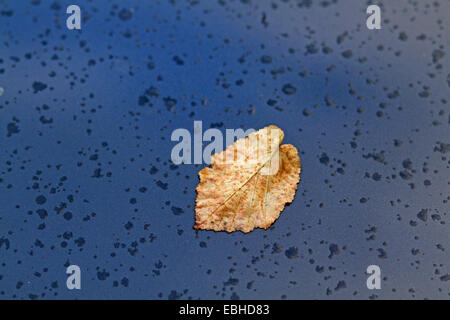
(247, 184)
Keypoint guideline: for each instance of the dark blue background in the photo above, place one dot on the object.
(79, 127)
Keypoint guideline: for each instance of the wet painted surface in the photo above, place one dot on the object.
(85, 170)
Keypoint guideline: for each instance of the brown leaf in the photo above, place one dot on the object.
(247, 184)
